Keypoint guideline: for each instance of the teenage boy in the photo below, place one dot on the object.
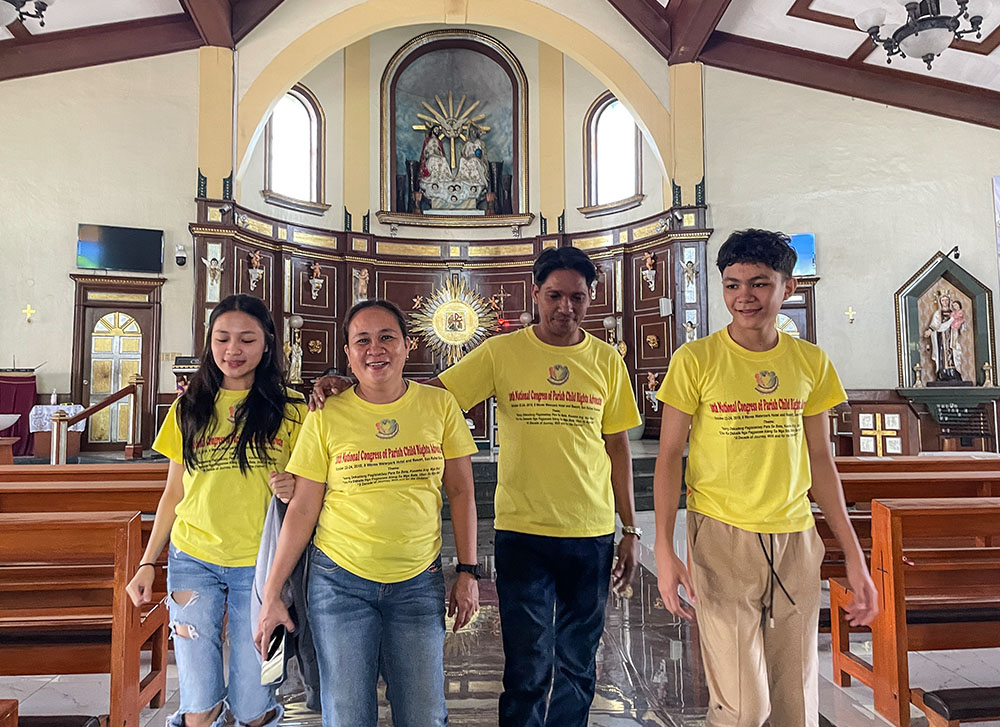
(564, 403)
(756, 403)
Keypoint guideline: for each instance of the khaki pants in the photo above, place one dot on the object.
(756, 672)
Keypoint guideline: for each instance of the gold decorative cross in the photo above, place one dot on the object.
(501, 296)
(850, 313)
(28, 311)
(878, 432)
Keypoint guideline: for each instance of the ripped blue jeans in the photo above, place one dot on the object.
(208, 590)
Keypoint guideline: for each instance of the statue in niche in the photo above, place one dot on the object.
(649, 269)
(256, 269)
(316, 280)
(450, 181)
(652, 384)
(360, 285)
(215, 269)
(943, 337)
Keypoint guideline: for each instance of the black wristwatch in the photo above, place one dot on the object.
(476, 570)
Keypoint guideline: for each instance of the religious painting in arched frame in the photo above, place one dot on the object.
(454, 133)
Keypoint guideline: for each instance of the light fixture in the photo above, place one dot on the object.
(926, 32)
(11, 10)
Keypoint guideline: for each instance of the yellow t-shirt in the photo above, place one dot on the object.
(221, 516)
(553, 405)
(748, 462)
(382, 465)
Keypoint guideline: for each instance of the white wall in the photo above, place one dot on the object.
(326, 81)
(882, 188)
(113, 144)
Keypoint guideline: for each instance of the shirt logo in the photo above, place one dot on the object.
(386, 429)
(232, 415)
(558, 375)
(767, 382)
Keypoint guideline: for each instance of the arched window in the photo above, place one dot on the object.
(612, 174)
(295, 153)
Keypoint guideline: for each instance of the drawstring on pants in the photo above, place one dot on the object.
(774, 576)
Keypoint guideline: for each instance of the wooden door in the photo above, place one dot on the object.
(117, 344)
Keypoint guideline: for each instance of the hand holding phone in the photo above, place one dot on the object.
(272, 671)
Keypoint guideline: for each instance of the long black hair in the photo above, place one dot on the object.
(259, 416)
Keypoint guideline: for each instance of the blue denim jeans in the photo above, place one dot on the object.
(215, 589)
(362, 628)
(553, 593)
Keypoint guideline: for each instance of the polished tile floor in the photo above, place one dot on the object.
(649, 671)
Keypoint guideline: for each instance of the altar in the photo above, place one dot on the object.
(17, 396)
(40, 424)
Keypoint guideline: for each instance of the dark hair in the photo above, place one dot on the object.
(374, 303)
(259, 416)
(563, 258)
(772, 249)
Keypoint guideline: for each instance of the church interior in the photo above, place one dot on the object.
(318, 153)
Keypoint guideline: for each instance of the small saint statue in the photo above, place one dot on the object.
(316, 280)
(256, 270)
(649, 269)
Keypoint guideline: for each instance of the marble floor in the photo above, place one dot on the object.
(649, 671)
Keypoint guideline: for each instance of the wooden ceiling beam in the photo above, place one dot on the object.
(873, 83)
(18, 30)
(82, 47)
(248, 14)
(213, 19)
(693, 23)
(649, 18)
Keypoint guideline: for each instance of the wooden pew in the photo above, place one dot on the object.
(84, 472)
(82, 622)
(929, 598)
(863, 487)
(88, 496)
(926, 463)
(81, 496)
(8, 713)
(860, 488)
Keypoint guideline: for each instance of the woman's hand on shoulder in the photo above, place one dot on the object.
(327, 386)
(464, 600)
(283, 485)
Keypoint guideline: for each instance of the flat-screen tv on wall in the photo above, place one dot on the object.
(103, 247)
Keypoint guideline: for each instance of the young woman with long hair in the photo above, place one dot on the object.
(228, 438)
(369, 470)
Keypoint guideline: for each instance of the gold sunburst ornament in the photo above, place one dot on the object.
(451, 123)
(454, 320)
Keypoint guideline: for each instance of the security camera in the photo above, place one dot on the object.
(181, 256)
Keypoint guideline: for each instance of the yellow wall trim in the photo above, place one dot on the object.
(215, 116)
(357, 128)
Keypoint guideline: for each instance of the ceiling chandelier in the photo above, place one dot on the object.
(926, 32)
(11, 10)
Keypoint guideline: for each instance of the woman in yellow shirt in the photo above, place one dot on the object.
(369, 468)
(228, 438)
